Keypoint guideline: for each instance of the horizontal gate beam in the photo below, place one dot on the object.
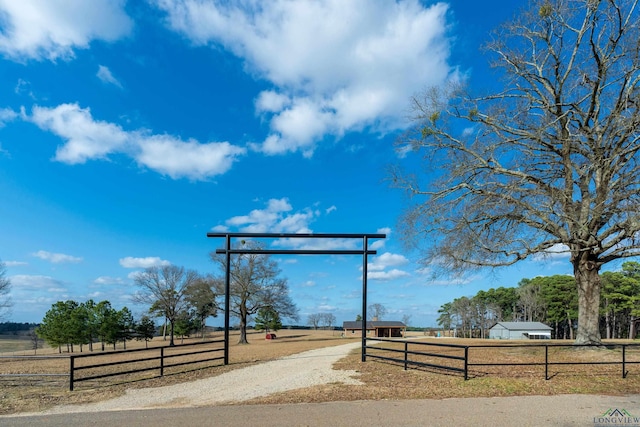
(298, 251)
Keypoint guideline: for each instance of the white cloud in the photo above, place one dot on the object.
(152, 261)
(52, 29)
(335, 66)
(106, 280)
(379, 243)
(191, 159)
(95, 295)
(88, 139)
(24, 87)
(385, 260)
(15, 263)
(56, 258)
(384, 230)
(275, 218)
(7, 115)
(271, 102)
(133, 275)
(22, 282)
(280, 217)
(105, 75)
(387, 275)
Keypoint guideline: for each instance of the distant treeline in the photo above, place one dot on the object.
(14, 328)
(552, 300)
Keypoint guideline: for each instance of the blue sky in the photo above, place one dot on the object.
(130, 129)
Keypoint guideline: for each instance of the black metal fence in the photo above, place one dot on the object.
(427, 358)
(460, 358)
(140, 360)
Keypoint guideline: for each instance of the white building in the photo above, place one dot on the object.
(520, 331)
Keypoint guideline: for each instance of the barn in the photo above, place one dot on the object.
(520, 331)
(375, 328)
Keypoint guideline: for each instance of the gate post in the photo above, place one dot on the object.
(364, 299)
(466, 363)
(162, 361)
(227, 297)
(71, 367)
(546, 362)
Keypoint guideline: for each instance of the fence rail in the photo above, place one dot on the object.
(406, 361)
(467, 353)
(93, 366)
(165, 353)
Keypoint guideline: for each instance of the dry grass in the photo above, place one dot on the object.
(30, 394)
(383, 380)
(388, 380)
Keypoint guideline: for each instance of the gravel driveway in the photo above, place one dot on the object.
(174, 405)
(297, 371)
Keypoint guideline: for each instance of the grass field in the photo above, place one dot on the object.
(383, 380)
(13, 343)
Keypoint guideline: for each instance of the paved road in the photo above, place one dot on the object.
(563, 410)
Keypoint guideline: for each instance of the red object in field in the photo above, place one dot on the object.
(270, 336)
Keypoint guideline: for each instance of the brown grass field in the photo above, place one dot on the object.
(382, 379)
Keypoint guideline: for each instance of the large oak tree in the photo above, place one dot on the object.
(255, 285)
(546, 163)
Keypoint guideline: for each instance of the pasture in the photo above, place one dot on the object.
(383, 380)
(17, 344)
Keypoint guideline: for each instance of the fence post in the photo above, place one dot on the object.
(466, 363)
(406, 355)
(624, 374)
(71, 367)
(546, 362)
(161, 361)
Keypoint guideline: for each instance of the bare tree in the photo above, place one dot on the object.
(163, 289)
(254, 285)
(35, 340)
(531, 301)
(406, 318)
(327, 320)
(314, 319)
(377, 311)
(5, 288)
(549, 163)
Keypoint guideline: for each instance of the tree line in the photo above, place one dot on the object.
(552, 300)
(69, 323)
(16, 328)
(182, 298)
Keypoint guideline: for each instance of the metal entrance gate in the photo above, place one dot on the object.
(365, 251)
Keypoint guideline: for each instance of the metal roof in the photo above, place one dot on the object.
(523, 326)
(373, 324)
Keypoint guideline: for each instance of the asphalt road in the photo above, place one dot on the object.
(563, 410)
